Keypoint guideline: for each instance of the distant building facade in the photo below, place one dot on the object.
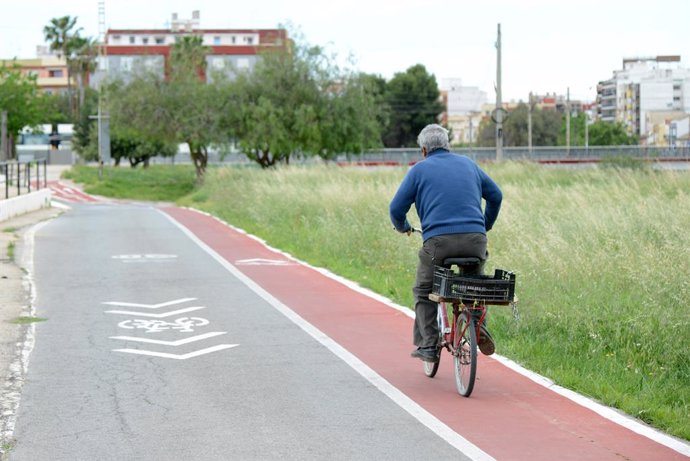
(463, 109)
(130, 50)
(644, 86)
(50, 72)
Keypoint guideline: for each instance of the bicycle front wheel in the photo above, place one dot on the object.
(465, 353)
(430, 368)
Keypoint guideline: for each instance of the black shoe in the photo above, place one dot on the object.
(427, 354)
(486, 342)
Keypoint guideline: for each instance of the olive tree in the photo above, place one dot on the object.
(179, 108)
(297, 102)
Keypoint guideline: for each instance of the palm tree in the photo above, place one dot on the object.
(188, 57)
(83, 63)
(60, 34)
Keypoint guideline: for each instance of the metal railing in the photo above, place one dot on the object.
(558, 154)
(16, 177)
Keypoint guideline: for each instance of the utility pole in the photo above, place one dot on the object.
(499, 102)
(3, 137)
(103, 118)
(567, 122)
(529, 125)
(587, 133)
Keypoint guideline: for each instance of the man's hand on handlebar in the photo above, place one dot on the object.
(410, 231)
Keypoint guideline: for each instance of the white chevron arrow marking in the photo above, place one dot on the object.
(171, 343)
(190, 355)
(150, 306)
(158, 316)
(263, 262)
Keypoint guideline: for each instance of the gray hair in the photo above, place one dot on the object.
(433, 137)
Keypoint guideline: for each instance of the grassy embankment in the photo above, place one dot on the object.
(602, 258)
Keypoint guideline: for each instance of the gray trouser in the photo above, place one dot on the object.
(433, 252)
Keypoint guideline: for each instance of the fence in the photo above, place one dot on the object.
(540, 154)
(559, 154)
(16, 177)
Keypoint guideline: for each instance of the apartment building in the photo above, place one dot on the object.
(50, 72)
(643, 86)
(463, 109)
(130, 50)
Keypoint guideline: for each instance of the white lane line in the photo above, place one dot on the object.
(190, 355)
(611, 414)
(150, 306)
(413, 408)
(179, 342)
(158, 316)
(14, 382)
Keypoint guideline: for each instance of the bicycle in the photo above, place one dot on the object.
(469, 295)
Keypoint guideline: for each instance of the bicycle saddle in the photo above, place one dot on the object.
(461, 262)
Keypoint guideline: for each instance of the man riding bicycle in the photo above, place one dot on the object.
(447, 190)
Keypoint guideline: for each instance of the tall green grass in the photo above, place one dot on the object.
(602, 259)
(156, 182)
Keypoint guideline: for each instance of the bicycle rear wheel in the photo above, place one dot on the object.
(465, 356)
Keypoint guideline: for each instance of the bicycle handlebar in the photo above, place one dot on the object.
(411, 231)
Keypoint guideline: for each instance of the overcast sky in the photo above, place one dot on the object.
(548, 45)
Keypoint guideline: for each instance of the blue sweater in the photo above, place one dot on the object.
(447, 190)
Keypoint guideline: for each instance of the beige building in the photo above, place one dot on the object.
(50, 71)
(668, 129)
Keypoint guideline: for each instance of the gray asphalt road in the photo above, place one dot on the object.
(263, 389)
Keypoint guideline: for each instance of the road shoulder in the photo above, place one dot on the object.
(15, 296)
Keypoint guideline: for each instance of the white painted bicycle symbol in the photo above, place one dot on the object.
(182, 324)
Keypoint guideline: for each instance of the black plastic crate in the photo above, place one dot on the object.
(449, 286)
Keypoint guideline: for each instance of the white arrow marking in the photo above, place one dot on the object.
(171, 343)
(150, 306)
(158, 316)
(262, 262)
(190, 355)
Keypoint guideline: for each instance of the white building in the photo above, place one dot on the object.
(463, 108)
(643, 86)
(229, 50)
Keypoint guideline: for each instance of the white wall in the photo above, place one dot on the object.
(24, 204)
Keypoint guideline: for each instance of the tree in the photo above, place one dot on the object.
(188, 57)
(299, 103)
(20, 98)
(610, 134)
(179, 109)
(84, 136)
(413, 100)
(545, 128)
(82, 63)
(352, 117)
(61, 36)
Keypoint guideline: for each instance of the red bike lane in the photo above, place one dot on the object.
(508, 416)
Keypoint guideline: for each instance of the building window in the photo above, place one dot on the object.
(126, 63)
(116, 38)
(216, 40)
(217, 63)
(249, 40)
(55, 73)
(132, 39)
(234, 39)
(160, 40)
(145, 40)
